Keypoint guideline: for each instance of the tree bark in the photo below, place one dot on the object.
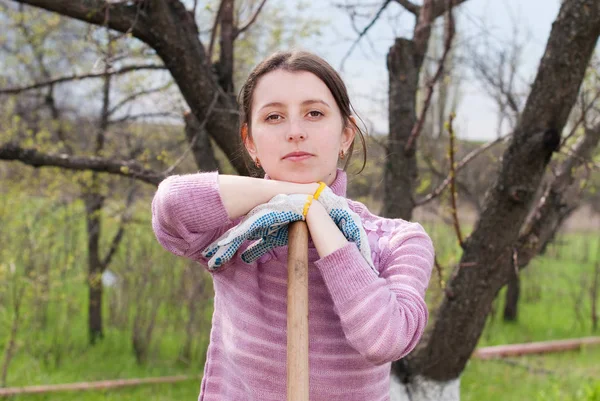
(93, 207)
(400, 171)
(225, 66)
(511, 301)
(484, 265)
(200, 143)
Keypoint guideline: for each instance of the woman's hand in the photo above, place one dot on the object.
(267, 223)
(348, 222)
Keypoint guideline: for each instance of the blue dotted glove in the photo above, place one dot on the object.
(267, 223)
(348, 222)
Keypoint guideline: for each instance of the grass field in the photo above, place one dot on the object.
(555, 304)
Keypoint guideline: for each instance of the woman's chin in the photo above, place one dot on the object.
(298, 177)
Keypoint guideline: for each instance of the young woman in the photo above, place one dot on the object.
(367, 274)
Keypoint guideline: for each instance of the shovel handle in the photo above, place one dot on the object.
(297, 313)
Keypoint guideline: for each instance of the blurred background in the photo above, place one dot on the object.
(483, 122)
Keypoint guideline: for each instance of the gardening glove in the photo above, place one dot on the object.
(267, 223)
(347, 221)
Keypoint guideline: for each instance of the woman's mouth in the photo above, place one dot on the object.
(297, 156)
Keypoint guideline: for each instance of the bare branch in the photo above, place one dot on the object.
(422, 30)
(364, 32)
(581, 119)
(556, 203)
(468, 158)
(251, 21)
(126, 216)
(129, 118)
(75, 77)
(410, 7)
(213, 32)
(451, 151)
(126, 168)
(195, 8)
(450, 31)
(440, 7)
(194, 140)
(137, 95)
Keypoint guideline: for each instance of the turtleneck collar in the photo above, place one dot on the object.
(338, 186)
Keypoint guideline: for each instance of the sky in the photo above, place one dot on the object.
(365, 71)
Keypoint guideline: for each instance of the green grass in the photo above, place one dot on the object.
(563, 376)
(555, 304)
(187, 390)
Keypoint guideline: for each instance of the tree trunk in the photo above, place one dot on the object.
(487, 259)
(421, 389)
(225, 66)
(400, 171)
(200, 142)
(512, 297)
(93, 207)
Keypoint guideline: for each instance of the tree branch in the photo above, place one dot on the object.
(450, 31)
(119, 235)
(75, 77)
(136, 95)
(451, 151)
(410, 7)
(194, 139)
(126, 168)
(581, 119)
(557, 202)
(251, 21)
(168, 28)
(123, 17)
(129, 118)
(468, 158)
(213, 32)
(440, 7)
(364, 32)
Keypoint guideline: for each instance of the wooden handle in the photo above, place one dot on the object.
(297, 313)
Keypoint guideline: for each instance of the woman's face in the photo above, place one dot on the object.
(297, 130)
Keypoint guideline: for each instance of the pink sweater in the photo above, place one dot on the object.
(359, 322)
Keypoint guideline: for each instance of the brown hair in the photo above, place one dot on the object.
(294, 61)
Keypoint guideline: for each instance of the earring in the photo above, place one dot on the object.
(342, 155)
(257, 163)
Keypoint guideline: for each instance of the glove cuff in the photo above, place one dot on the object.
(322, 186)
(309, 200)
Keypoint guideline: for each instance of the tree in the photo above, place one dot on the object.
(488, 253)
(491, 252)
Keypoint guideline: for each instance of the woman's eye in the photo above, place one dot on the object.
(315, 113)
(274, 117)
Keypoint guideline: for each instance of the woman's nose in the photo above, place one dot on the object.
(294, 136)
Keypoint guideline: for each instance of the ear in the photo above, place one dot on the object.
(348, 134)
(248, 142)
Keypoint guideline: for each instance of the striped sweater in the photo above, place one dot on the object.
(359, 322)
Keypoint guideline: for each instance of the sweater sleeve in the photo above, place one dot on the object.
(383, 317)
(188, 214)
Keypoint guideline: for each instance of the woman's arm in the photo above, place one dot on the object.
(325, 234)
(242, 194)
(191, 211)
(383, 317)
